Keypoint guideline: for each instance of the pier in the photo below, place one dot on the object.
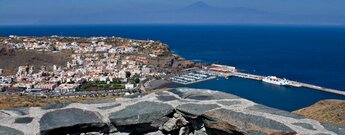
(339, 92)
(292, 83)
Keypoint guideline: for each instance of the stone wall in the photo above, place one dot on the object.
(181, 111)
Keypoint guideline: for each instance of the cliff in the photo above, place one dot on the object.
(181, 111)
(330, 111)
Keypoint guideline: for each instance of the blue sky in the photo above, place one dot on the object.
(47, 12)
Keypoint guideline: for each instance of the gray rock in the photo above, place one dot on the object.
(166, 98)
(265, 109)
(98, 102)
(201, 131)
(55, 106)
(24, 120)
(20, 111)
(229, 103)
(255, 133)
(163, 96)
(245, 121)
(109, 107)
(194, 110)
(119, 133)
(340, 130)
(137, 95)
(175, 123)
(160, 122)
(222, 128)
(155, 133)
(69, 121)
(4, 114)
(184, 131)
(305, 125)
(142, 112)
(197, 94)
(9, 131)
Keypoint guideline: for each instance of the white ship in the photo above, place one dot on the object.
(275, 80)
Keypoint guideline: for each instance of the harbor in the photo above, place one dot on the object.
(215, 70)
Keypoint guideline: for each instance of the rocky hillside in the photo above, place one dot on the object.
(331, 111)
(10, 59)
(181, 111)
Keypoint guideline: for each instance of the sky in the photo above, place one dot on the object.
(47, 12)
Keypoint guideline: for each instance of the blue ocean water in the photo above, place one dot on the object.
(311, 54)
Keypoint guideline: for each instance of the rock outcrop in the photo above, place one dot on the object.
(180, 111)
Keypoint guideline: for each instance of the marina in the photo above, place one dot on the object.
(192, 77)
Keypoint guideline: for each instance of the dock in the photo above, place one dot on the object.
(334, 91)
(192, 77)
(292, 83)
(247, 76)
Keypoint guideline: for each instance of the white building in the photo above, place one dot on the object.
(129, 86)
(122, 74)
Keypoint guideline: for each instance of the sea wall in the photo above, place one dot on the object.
(181, 111)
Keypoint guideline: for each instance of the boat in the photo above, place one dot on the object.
(275, 80)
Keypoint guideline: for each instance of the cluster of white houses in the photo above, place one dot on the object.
(95, 60)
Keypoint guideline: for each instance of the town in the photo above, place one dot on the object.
(101, 65)
(58, 66)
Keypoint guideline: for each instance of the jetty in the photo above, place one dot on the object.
(315, 87)
(291, 83)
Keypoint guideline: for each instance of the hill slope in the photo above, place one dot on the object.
(10, 59)
(330, 111)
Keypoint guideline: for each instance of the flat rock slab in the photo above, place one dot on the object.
(163, 96)
(265, 109)
(9, 131)
(55, 106)
(20, 111)
(246, 121)
(336, 129)
(202, 95)
(229, 103)
(305, 125)
(109, 107)
(67, 119)
(194, 110)
(140, 113)
(24, 120)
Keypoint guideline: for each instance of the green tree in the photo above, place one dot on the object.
(128, 74)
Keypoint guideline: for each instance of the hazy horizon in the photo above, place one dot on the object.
(69, 12)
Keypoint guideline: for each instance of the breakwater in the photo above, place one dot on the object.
(292, 83)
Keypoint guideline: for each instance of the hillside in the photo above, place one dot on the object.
(330, 111)
(10, 59)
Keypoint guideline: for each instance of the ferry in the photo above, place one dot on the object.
(275, 80)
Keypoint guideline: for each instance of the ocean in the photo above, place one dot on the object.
(310, 54)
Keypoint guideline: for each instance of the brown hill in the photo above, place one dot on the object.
(330, 111)
(10, 59)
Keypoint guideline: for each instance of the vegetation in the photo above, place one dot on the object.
(17, 100)
(330, 111)
(13, 101)
(100, 85)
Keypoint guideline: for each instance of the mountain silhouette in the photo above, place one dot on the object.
(202, 7)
